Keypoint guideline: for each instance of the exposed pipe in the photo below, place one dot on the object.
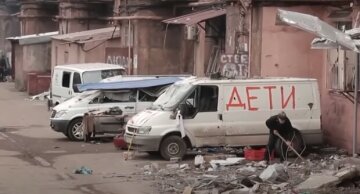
(130, 66)
(356, 89)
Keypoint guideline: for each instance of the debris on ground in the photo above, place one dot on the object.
(42, 97)
(275, 173)
(229, 161)
(83, 170)
(222, 173)
(199, 160)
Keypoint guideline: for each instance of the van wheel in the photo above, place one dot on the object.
(297, 143)
(172, 146)
(75, 130)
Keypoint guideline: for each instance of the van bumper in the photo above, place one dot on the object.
(143, 143)
(59, 125)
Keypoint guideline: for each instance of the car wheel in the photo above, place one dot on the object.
(75, 130)
(172, 146)
(297, 143)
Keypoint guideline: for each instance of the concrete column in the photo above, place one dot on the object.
(77, 15)
(199, 66)
(9, 25)
(4, 18)
(37, 17)
(255, 41)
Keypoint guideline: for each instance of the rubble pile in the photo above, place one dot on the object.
(228, 174)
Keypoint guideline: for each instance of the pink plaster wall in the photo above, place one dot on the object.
(286, 52)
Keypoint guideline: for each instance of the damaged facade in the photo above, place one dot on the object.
(280, 50)
(10, 25)
(100, 45)
(32, 57)
(239, 38)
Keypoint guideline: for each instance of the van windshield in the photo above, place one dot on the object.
(172, 96)
(97, 76)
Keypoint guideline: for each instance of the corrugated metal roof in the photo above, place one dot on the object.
(90, 35)
(33, 38)
(89, 66)
(196, 17)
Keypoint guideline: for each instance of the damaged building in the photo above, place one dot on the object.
(284, 51)
(240, 38)
(9, 23)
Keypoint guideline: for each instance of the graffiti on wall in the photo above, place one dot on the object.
(119, 56)
(234, 65)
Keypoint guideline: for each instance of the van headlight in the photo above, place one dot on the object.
(144, 130)
(60, 114)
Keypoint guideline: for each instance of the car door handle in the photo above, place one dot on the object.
(129, 107)
(220, 117)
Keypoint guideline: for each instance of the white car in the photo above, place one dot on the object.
(131, 96)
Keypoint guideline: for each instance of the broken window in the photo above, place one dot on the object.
(76, 81)
(202, 99)
(341, 65)
(150, 94)
(115, 97)
(66, 79)
(208, 101)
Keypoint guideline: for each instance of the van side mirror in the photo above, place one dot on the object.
(183, 109)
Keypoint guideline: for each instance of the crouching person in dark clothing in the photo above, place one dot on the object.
(282, 125)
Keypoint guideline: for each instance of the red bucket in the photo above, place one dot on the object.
(256, 154)
(119, 142)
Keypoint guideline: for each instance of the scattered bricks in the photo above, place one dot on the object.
(317, 181)
(208, 158)
(247, 170)
(198, 161)
(175, 159)
(187, 190)
(155, 166)
(243, 190)
(275, 173)
(326, 180)
(184, 166)
(215, 191)
(281, 186)
(172, 166)
(347, 173)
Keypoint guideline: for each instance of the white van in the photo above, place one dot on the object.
(130, 95)
(66, 77)
(201, 112)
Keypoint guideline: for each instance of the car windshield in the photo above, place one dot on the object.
(172, 96)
